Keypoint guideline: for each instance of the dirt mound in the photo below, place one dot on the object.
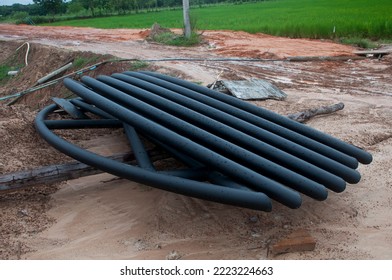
(21, 32)
(21, 146)
(42, 60)
(22, 214)
(156, 31)
(242, 44)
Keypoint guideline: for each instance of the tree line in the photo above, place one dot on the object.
(100, 7)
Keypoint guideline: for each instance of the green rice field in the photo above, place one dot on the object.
(370, 19)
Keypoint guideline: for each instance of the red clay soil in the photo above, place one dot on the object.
(227, 43)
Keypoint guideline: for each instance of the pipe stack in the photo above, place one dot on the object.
(237, 153)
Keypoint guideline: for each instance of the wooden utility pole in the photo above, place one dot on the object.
(187, 21)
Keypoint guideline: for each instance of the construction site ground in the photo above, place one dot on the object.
(103, 217)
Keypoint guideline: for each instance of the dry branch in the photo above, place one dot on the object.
(306, 115)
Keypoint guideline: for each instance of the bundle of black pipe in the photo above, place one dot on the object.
(248, 154)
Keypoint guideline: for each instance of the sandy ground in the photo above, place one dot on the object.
(102, 217)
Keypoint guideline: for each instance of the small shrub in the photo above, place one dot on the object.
(81, 62)
(172, 39)
(4, 73)
(359, 42)
(20, 16)
(195, 39)
(137, 65)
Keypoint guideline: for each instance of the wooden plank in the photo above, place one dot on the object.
(71, 109)
(63, 172)
(298, 241)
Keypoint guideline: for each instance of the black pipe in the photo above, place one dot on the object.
(297, 132)
(291, 155)
(241, 198)
(219, 179)
(198, 174)
(226, 166)
(294, 142)
(83, 123)
(212, 176)
(141, 155)
(209, 140)
(185, 159)
(218, 138)
(138, 149)
(90, 108)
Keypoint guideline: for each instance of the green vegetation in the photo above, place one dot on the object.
(12, 63)
(81, 62)
(138, 65)
(359, 42)
(54, 10)
(172, 39)
(332, 19)
(4, 73)
(291, 18)
(169, 19)
(4, 69)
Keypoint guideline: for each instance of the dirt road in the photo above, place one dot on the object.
(101, 218)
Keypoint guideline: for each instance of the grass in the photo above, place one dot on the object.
(359, 42)
(81, 62)
(10, 64)
(169, 38)
(4, 77)
(138, 65)
(291, 18)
